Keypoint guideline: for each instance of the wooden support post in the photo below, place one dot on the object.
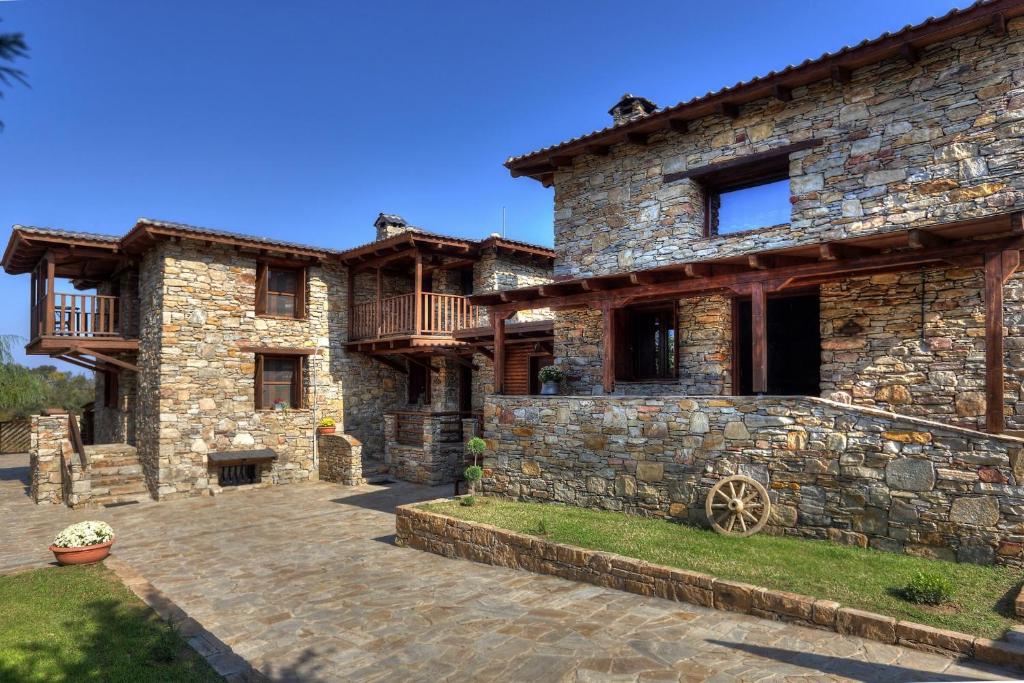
(351, 303)
(51, 267)
(498, 320)
(999, 266)
(759, 337)
(379, 303)
(608, 365)
(418, 289)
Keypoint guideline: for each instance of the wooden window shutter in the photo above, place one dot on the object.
(259, 382)
(300, 294)
(261, 288)
(297, 384)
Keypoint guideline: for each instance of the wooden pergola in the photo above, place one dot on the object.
(991, 243)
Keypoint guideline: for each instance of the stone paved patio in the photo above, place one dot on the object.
(303, 582)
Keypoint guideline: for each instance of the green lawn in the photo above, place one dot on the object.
(83, 624)
(855, 577)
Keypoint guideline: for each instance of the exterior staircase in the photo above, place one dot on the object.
(115, 475)
(375, 471)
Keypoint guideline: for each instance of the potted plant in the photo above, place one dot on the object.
(280, 405)
(550, 377)
(83, 543)
(326, 426)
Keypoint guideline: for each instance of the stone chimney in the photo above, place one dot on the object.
(389, 225)
(631, 108)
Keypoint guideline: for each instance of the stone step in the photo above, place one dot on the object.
(105, 469)
(100, 450)
(121, 499)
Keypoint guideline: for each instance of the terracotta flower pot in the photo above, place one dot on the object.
(325, 430)
(84, 555)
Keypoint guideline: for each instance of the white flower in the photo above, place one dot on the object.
(83, 534)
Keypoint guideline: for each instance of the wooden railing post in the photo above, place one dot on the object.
(51, 267)
(999, 267)
(759, 338)
(379, 302)
(418, 290)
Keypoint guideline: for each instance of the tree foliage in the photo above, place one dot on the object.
(26, 391)
(12, 47)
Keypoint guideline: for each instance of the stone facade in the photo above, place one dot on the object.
(904, 145)
(851, 474)
(437, 460)
(49, 446)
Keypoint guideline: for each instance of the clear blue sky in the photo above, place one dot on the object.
(303, 120)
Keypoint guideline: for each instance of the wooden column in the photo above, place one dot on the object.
(608, 365)
(999, 267)
(51, 267)
(418, 289)
(759, 338)
(379, 303)
(33, 312)
(351, 302)
(498, 320)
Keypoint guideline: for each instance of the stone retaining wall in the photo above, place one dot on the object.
(854, 475)
(49, 439)
(450, 537)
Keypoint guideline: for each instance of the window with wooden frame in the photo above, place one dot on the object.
(418, 388)
(280, 291)
(646, 343)
(278, 382)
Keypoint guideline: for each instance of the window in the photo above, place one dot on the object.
(646, 344)
(278, 382)
(419, 384)
(750, 208)
(280, 292)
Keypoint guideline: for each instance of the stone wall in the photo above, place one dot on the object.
(903, 145)
(116, 424)
(48, 441)
(497, 270)
(855, 475)
(341, 459)
(437, 460)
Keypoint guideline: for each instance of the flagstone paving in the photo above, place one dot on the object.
(303, 581)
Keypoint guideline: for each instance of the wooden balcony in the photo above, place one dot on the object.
(435, 317)
(65, 323)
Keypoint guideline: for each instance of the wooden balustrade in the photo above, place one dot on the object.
(75, 315)
(441, 315)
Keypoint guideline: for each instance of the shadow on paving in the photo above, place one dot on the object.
(853, 669)
(386, 497)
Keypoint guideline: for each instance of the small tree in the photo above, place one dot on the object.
(476, 447)
(474, 473)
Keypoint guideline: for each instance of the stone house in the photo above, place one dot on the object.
(216, 354)
(809, 278)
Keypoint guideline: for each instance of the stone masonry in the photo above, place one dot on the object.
(854, 475)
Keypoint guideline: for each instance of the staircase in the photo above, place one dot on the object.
(375, 471)
(115, 475)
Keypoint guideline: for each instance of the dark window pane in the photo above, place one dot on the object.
(280, 304)
(278, 369)
(284, 281)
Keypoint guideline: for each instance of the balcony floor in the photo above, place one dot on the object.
(57, 344)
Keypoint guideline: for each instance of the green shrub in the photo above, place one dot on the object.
(476, 447)
(467, 501)
(542, 527)
(473, 474)
(928, 588)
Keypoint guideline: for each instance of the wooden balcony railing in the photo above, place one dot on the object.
(440, 315)
(75, 315)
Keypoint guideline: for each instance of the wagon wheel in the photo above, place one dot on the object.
(738, 506)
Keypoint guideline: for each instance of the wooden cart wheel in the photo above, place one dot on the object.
(738, 506)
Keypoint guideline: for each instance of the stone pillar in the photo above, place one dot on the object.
(341, 459)
(470, 428)
(390, 435)
(48, 442)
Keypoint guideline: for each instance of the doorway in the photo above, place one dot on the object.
(465, 390)
(794, 345)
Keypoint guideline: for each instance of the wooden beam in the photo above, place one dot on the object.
(729, 109)
(81, 362)
(379, 301)
(563, 161)
(910, 53)
(759, 337)
(717, 174)
(832, 251)
(697, 269)
(110, 360)
(394, 365)
(428, 365)
(995, 418)
(608, 357)
(643, 278)
(922, 239)
(50, 280)
(418, 293)
(841, 74)
(498, 320)
(783, 93)
(678, 125)
(998, 26)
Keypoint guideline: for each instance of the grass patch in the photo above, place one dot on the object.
(83, 624)
(862, 578)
